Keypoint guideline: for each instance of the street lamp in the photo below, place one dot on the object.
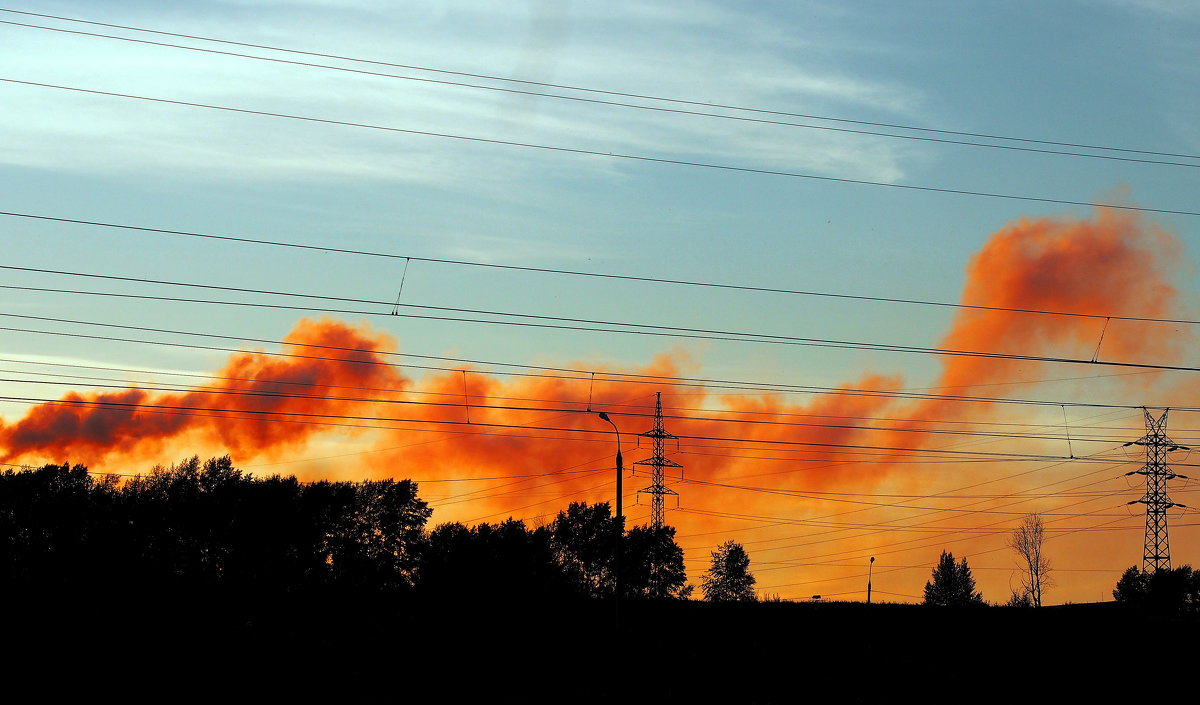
(870, 570)
(620, 516)
(620, 469)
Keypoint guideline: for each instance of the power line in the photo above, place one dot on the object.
(891, 459)
(558, 411)
(958, 489)
(578, 273)
(1085, 528)
(962, 421)
(192, 285)
(205, 413)
(613, 103)
(804, 495)
(568, 323)
(926, 566)
(537, 504)
(545, 270)
(1071, 529)
(598, 153)
(340, 419)
(562, 476)
(1103, 526)
(876, 551)
(936, 544)
(274, 382)
(851, 457)
(577, 374)
(920, 527)
(181, 386)
(477, 404)
(952, 536)
(582, 89)
(553, 473)
(891, 495)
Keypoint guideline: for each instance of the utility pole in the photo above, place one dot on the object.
(1156, 554)
(657, 461)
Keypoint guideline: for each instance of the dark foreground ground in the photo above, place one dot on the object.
(347, 648)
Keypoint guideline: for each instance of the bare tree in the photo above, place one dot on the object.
(1027, 540)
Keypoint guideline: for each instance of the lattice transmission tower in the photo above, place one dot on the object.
(1157, 552)
(658, 461)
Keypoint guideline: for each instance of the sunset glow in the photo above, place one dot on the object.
(813, 483)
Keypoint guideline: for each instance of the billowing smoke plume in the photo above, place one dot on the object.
(1112, 263)
(257, 403)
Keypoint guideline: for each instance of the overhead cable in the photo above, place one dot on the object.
(598, 153)
(979, 307)
(567, 323)
(596, 91)
(613, 103)
(540, 371)
(578, 273)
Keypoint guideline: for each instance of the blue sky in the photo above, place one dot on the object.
(1118, 73)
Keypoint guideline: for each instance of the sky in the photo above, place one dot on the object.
(811, 147)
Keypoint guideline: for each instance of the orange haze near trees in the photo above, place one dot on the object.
(335, 380)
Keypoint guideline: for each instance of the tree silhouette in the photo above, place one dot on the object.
(1027, 540)
(55, 524)
(652, 564)
(583, 539)
(728, 578)
(373, 533)
(1131, 586)
(952, 584)
(202, 526)
(505, 560)
(1019, 598)
(1173, 590)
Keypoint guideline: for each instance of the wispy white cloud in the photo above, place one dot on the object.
(701, 51)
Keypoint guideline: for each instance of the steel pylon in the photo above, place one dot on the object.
(657, 462)
(1156, 554)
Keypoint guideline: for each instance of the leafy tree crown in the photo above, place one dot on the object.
(952, 584)
(728, 578)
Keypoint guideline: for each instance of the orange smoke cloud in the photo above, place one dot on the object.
(469, 423)
(238, 412)
(1113, 264)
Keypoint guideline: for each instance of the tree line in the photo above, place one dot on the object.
(206, 525)
(1169, 591)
